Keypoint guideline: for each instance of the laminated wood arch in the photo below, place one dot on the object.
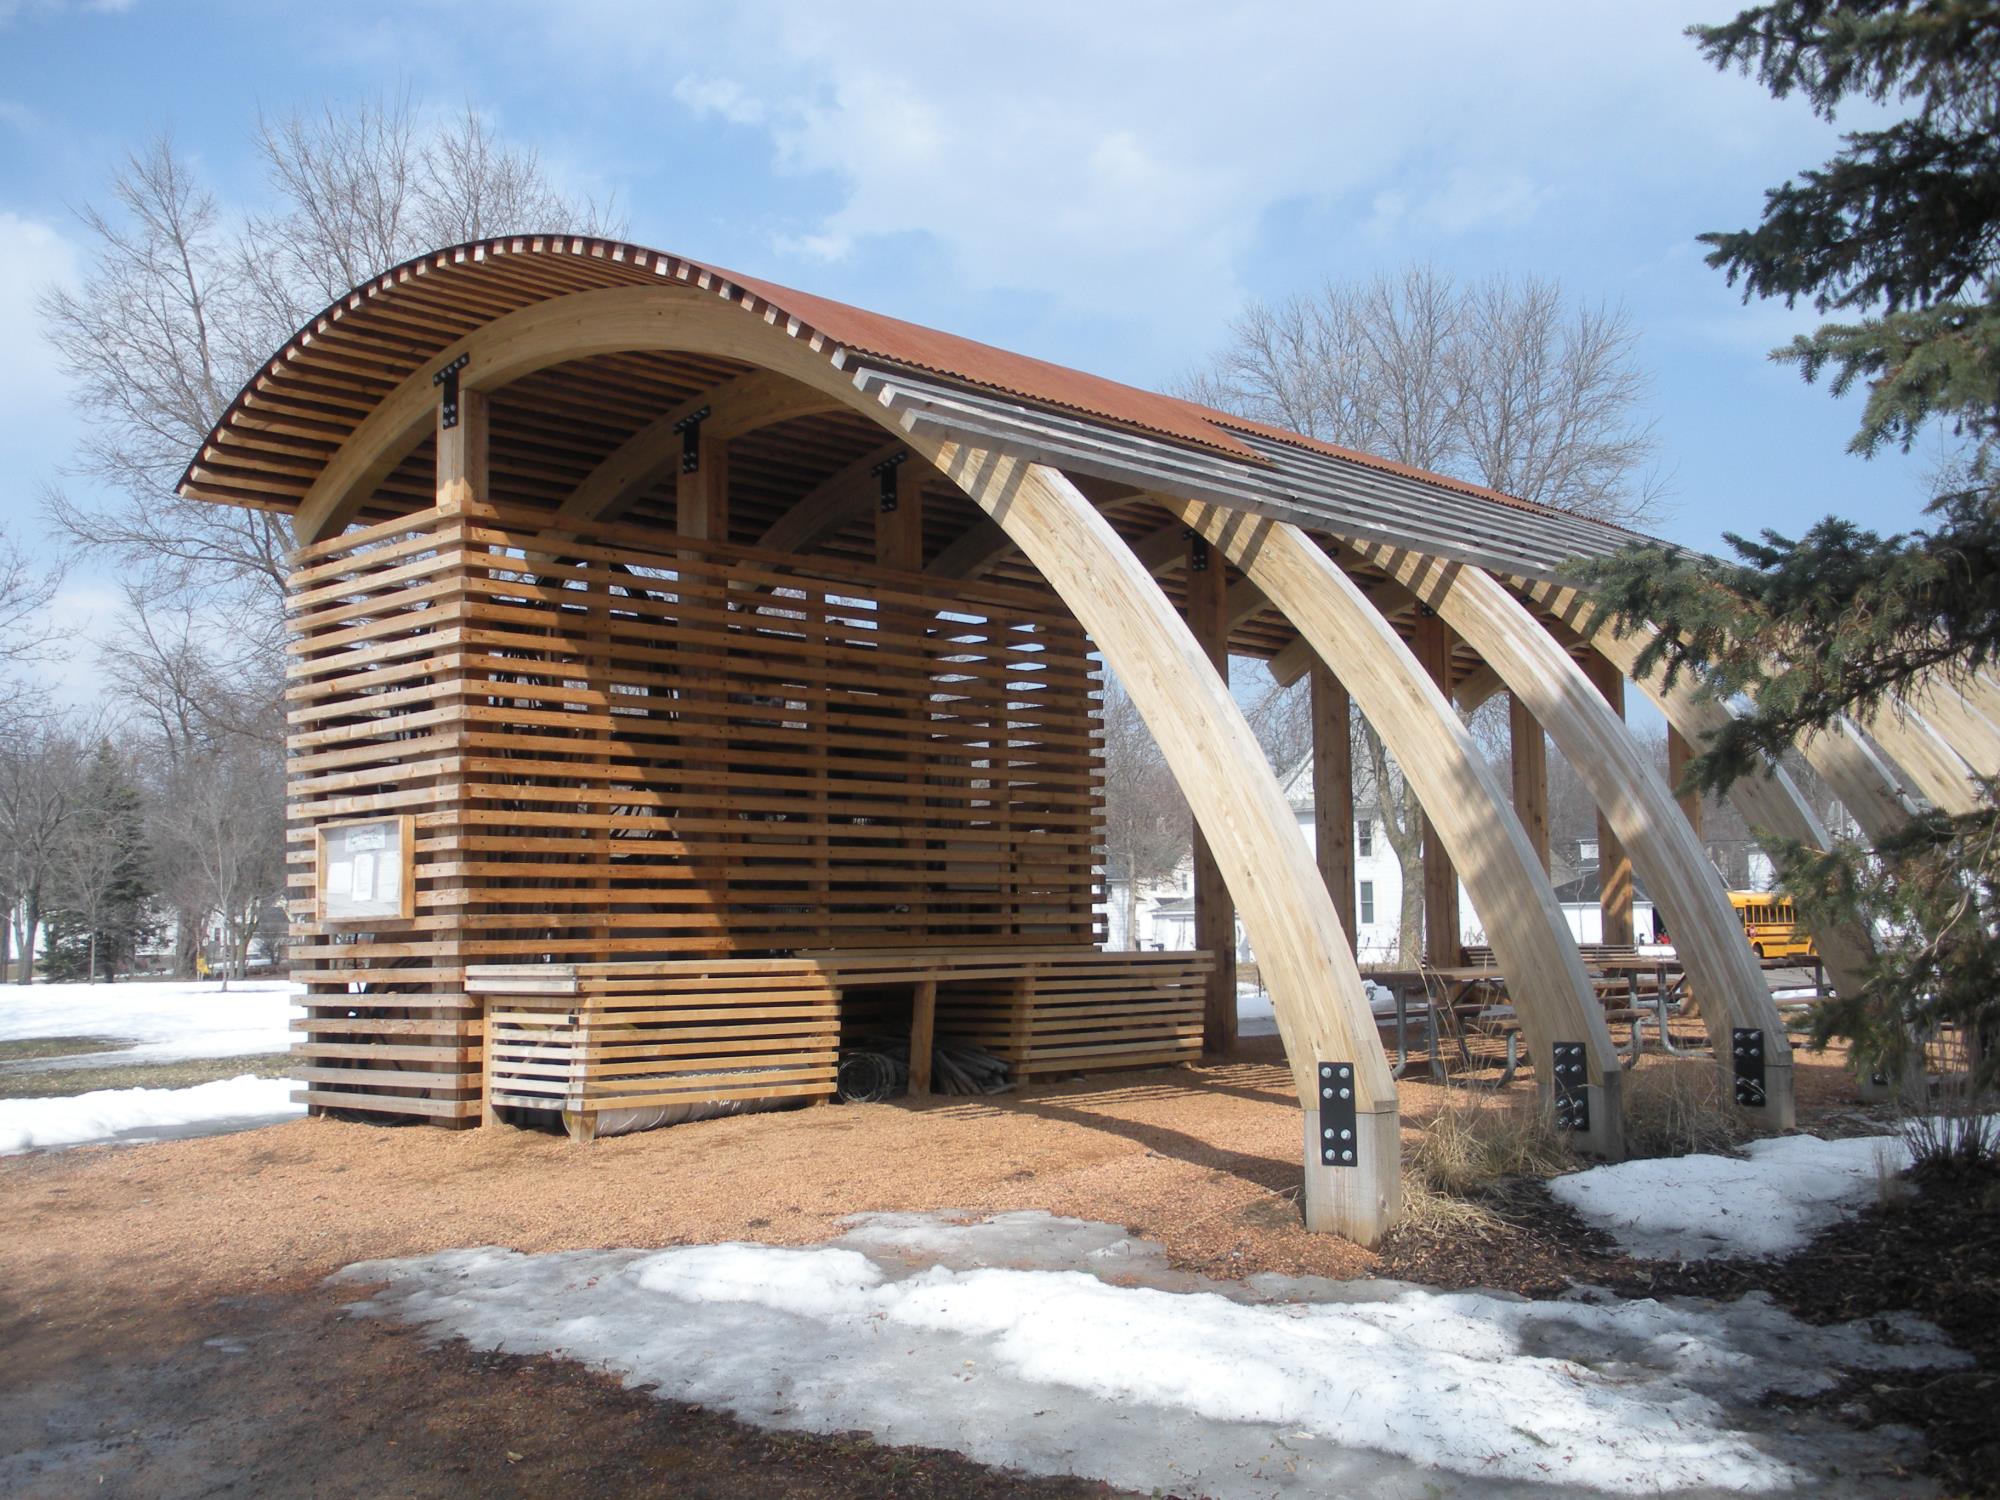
(1769, 802)
(1457, 789)
(1305, 958)
(1630, 795)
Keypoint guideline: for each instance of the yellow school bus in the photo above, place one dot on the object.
(1771, 924)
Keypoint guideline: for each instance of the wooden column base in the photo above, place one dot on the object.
(1779, 1112)
(581, 1124)
(1606, 1100)
(1360, 1202)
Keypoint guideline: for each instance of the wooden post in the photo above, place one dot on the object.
(1442, 948)
(462, 463)
(899, 533)
(923, 1027)
(1214, 913)
(1614, 865)
(1531, 775)
(701, 498)
(1679, 753)
(1333, 791)
(899, 543)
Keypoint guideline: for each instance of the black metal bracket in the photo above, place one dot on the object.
(885, 474)
(1197, 551)
(1746, 1049)
(1571, 1086)
(448, 402)
(689, 427)
(1337, 1120)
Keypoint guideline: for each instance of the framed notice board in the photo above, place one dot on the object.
(366, 870)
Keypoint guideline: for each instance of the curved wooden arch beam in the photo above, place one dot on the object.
(1459, 792)
(653, 453)
(1303, 955)
(1932, 765)
(1969, 732)
(831, 505)
(1630, 795)
(669, 315)
(1771, 803)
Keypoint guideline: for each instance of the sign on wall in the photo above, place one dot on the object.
(366, 870)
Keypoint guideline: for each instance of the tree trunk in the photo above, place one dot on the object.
(31, 918)
(1402, 825)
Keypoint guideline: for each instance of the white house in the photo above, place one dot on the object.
(1165, 912)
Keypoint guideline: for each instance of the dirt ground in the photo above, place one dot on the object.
(151, 1295)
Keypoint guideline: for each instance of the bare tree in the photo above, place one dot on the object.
(40, 771)
(181, 306)
(27, 588)
(1146, 820)
(218, 836)
(1503, 382)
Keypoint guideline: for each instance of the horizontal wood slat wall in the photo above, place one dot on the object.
(686, 1033)
(635, 746)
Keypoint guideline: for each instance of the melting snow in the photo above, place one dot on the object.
(141, 1114)
(1774, 1199)
(1002, 1340)
(167, 1019)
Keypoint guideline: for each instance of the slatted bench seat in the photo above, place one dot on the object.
(697, 1034)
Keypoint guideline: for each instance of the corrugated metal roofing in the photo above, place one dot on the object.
(308, 399)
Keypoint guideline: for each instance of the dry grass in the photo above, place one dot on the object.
(1470, 1145)
(176, 1073)
(1676, 1107)
(36, 1048)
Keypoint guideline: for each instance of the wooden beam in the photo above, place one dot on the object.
(1679, 754)
(1608, 759)
(1333, 791)
(1293, 662)
(899, 533)
(1614, 865)
(923, 1030)
(831, 505)
(1909, 740)
(701, 496)
(463, 455)
(1443, 946)
(1530, 758)
(1214, 914)
(1302, 954)
(653, 453)
(1970, 733)
(1462, 794)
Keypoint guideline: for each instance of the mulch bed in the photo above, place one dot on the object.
(1935, 1252)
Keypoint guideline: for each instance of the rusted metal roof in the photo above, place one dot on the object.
(298, 409)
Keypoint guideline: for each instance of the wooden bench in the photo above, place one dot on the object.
(585, 1038)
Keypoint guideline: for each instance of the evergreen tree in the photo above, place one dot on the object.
(1900, 232)
(100, 913)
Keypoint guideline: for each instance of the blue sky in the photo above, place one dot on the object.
(1102, 184)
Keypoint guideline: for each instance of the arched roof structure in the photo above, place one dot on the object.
(601, 364)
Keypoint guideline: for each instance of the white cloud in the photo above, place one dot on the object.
(33, 255)
(12, 10)
(720, 96)
(1133, 153)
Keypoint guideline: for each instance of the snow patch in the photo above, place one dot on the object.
(168, 1020)
(1774, 1199)
(1057, 1370)
(139, 1114)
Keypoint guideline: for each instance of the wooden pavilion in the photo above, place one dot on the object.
(682, 666)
